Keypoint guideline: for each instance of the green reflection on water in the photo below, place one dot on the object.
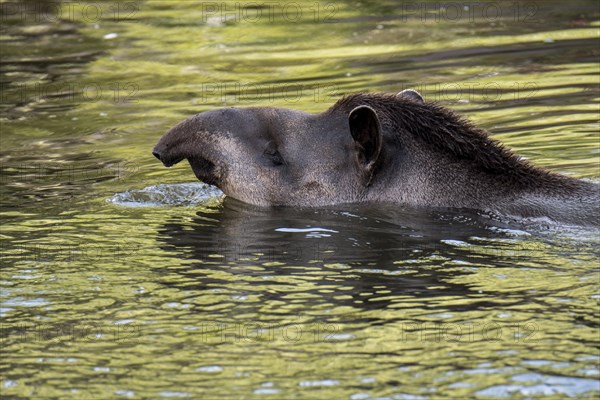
(100, 300)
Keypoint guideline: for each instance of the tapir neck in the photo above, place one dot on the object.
(578, 205)
(558, 197)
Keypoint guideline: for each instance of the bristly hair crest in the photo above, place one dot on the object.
(449, 134)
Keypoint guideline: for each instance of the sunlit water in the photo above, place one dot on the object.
(124, 279)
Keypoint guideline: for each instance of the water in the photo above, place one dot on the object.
(121, 278)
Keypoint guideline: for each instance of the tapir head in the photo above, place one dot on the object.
(275, 156)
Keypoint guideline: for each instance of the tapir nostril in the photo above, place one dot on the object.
(156, 154)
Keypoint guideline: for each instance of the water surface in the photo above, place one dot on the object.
(121, 278)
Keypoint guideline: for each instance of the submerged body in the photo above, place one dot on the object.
(371, 148)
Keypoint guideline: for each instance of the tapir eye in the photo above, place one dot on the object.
(272, 154)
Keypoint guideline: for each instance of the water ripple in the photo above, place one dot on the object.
(184, 194)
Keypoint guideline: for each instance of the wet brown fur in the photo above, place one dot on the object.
(454, 136)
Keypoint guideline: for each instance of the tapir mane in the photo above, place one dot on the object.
(449, 134)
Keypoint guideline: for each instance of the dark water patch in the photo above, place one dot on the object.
(36, 65)
(405, 250)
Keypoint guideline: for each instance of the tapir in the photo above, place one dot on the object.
(371, 148)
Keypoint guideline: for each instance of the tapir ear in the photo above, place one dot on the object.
(366, 132)
(411, 94)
